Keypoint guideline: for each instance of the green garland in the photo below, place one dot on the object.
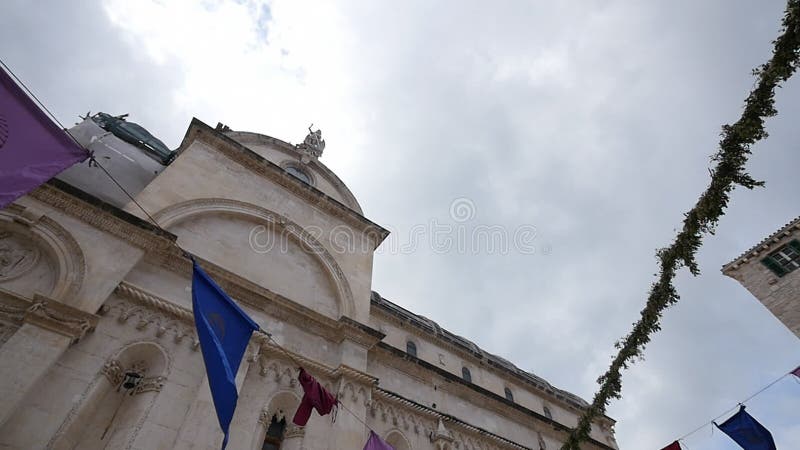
(734, 150)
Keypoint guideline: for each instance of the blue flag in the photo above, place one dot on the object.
(223, 330)
(747, 432)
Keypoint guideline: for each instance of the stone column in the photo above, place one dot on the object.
(201, 428)
(293, 437)
(251, 400)
(355, 385)
(47, 329)
(355, 391)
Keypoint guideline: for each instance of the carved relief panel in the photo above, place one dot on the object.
(24, 267)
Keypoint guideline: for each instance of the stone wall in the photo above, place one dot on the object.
(781, 295)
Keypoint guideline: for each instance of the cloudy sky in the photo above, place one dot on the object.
(591, 122)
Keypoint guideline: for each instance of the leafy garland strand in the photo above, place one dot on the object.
(734, 150)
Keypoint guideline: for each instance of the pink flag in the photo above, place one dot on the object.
(376, 443)
(32, 148)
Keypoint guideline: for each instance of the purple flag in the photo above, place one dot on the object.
(32, 148)
(796, 372)
(376, 443)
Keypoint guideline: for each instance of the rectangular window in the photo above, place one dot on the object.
(784, 259)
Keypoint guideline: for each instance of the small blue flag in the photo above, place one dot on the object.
(223, 330)
(747, 432)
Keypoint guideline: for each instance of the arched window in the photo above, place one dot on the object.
(411, 349)
(466, 375)
(274, 437)
(547, 413)
(299, 173)
(509, 395)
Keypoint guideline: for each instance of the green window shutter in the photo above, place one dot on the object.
(795, 245)
(773, 265)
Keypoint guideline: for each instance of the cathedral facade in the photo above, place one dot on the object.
(97, 341)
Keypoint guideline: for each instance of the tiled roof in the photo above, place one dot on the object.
(764, 244)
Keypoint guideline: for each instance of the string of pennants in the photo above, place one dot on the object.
(36, 150)
(741, 427)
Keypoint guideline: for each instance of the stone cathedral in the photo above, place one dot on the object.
(97, 341)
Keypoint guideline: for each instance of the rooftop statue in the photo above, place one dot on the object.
(313, 144)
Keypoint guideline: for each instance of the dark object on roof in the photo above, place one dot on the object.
(134, 134)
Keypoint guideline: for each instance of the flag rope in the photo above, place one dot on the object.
(728, 411)
(90, 153)
(298, 364)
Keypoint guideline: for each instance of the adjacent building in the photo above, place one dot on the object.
(770, 272)
(97, 344)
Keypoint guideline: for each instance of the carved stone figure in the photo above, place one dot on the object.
(16, 256)
(313, 144)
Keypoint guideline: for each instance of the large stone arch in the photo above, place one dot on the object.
(180, 212)
(24, 231)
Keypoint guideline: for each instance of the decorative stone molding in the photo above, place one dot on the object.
(400, 418)
(294, 431)
(104, 217)
(47, 313)
(354, 393)
(359, 333)
(17, 256)
(150, 300)
(264, 417)
(181, 211)
(345, 372)
(115, 374)
(26, 235)
(442, 436)
(152, 315)
(387, 404)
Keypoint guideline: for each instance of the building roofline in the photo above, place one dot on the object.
(262, 166)
(249, 137)
(766, 245)
(438, 333)
(481, 390)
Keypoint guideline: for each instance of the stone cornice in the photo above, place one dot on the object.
(359, 333)
(152, 301)
(199, 131)
(766, 246)
(83, 206)
(47, 313)
(346, 329)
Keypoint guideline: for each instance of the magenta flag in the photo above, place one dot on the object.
(376, 443)
(32, 148)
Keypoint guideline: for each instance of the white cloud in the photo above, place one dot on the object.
(592, 122)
